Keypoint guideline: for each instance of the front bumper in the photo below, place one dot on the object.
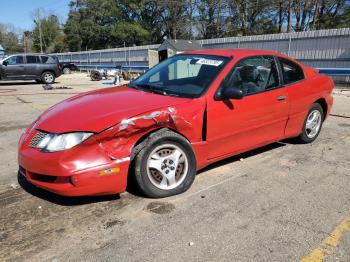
(82, 170)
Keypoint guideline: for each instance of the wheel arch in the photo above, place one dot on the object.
(322, 102)
(48, 70)
(142, 141)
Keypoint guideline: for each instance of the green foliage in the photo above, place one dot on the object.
(10, 39)
(53, 39)
(99, 24)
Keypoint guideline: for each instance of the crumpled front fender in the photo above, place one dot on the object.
(187, 120)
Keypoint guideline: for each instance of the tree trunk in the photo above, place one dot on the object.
(280, 16)
(244, 17)
(289, 26)
(315, 15)
(304, 14)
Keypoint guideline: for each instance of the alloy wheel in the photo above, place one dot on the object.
(313, 123)
(167, 166)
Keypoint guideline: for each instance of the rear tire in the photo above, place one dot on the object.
(312, 124)
(66, 71)
(48, 78)
(95, 76)
(165, 166)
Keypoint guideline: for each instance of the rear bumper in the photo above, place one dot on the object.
(59, 174)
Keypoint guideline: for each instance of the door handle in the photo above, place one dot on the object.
(281, 98)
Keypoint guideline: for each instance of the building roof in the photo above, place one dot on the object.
(179, 45)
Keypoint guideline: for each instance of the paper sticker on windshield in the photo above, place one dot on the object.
(204, 61)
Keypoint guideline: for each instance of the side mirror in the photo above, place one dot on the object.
(231, 93)
(5, 63)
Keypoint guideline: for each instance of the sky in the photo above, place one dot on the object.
(18, 12)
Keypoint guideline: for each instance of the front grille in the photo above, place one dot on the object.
(37, 139)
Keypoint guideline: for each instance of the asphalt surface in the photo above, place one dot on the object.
(282, 202)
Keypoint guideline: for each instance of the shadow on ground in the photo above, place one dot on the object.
(22, 83)
(5, 83)
(245, 155)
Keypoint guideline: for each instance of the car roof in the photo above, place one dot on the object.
(228, 52)
(240, 53)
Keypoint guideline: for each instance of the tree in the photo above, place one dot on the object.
(332, 14)
(47, 34)
(95, 24)
(98, 24)
(11, 39)
(209, 18)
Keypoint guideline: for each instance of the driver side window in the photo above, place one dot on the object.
(15, 60)
(254, 75)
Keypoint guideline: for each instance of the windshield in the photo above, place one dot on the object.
(182, 75)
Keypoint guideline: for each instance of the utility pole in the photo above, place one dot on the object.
(37, 19)
(40, 34)
(24, 43)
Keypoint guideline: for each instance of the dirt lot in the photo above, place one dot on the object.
(283, 202)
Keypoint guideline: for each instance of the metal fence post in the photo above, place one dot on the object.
(289, 42)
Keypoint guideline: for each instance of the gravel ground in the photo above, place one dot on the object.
(282, 202)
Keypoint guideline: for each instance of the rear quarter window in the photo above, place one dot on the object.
(48, 60)
(291, 71)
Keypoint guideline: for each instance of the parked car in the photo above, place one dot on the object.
(68, 67)
(40, 67)
(185, 113)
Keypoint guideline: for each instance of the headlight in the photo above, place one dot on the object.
(53, 142)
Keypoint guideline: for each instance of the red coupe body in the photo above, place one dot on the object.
(121, 117)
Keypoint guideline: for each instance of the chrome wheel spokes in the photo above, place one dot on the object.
(167, 166)
(313, 123)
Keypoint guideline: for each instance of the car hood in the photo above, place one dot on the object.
(100, 109)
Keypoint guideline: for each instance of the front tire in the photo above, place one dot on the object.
(165, 166)
(48, 78)
(312, 124)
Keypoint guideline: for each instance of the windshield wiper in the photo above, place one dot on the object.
(153, 89)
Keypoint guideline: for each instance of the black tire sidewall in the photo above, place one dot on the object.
(144, 183)
(43, 78)
(66, 70)
(303, 136)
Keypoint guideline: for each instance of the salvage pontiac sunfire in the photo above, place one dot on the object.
(188, 111)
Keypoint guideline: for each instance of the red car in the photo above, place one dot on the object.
(189, 111)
